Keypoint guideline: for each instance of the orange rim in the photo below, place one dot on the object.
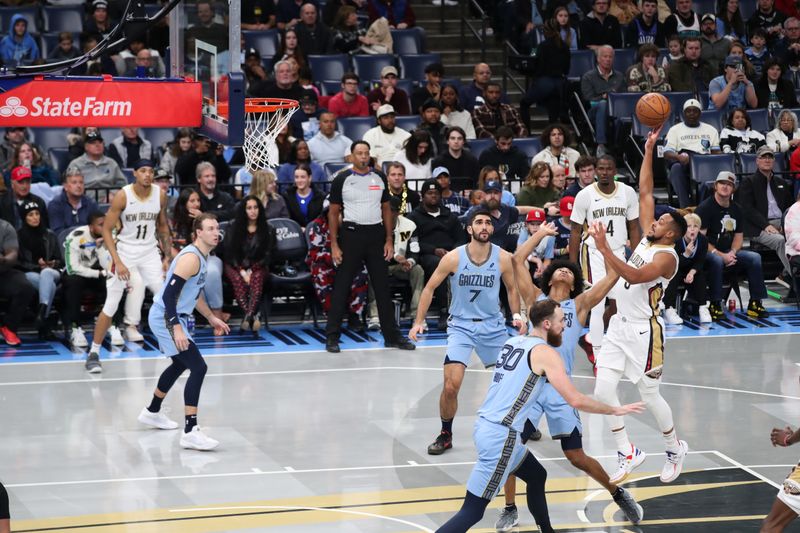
(268, 105)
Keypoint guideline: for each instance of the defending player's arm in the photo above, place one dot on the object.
(575, 234)
(634, 231)
(111, 220)
(586, 301)
(580, 211)
(647, 204)
(447, 266)
(663, 264)
(545, 361)
(188, 265)
(216, 323)
(507, 273)
(164, 235)
(527, 290)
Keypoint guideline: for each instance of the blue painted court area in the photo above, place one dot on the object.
(305, 337)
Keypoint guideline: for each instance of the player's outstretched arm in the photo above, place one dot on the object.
(447, 266)
(663, 264)
(217, 324)
(647, 204)
(587, 300)
(509, 275)
(545, 361)
(527, 289)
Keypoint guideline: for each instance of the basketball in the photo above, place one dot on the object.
(652, 109)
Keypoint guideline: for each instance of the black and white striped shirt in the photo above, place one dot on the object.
(360, 195)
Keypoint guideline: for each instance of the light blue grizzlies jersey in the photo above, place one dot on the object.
(475, 289)
(514, 388)
(192, 287)
(573, 330)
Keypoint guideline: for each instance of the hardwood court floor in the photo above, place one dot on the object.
(313, 442)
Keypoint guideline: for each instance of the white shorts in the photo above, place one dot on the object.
(144, 265)
(636, 348)
(789, 493)
(593, 265)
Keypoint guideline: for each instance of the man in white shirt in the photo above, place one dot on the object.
(328, 145)
(385, 139)
(688, 137)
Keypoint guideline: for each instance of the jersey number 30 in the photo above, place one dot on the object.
(509, 358)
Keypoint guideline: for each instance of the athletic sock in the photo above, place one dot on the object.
(447, 425)
(671, 441)
(511, 507)
(621, 437)
(616, 493)
(191, 422)
(155, 404)
(95, 348)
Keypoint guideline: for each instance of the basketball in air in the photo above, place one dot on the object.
(652, 109)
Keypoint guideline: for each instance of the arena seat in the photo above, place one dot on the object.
(265, 41)
(368, 67)
(63, 18)
(413, 66)
(329, 67)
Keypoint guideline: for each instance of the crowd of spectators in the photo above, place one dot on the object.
(442, 167)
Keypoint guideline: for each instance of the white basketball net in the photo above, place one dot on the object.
(260, 130)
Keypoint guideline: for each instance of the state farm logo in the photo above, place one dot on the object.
(89, 106)
(13, 107)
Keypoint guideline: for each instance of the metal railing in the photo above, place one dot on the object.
(508, 47)
(467, 23)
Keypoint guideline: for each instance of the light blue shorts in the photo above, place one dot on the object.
(486, 338)
(500, 452)
(158, 325)
(562, 418)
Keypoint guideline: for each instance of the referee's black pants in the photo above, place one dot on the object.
(360, 245)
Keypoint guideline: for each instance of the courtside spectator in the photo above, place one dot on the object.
(584, 171)
(265, 188)
(258, 14)
(568, 34)
(757, 53)
(328, 145)
(204, 150)
(737, 49)
(305, 122)
(738, 135)
(541, 256)
(129, 148)
(722, 223)
(98, 170)
(303, 199)
(398, 188)
(284, 86)
(538, 189)
(490, 173)
(40, 260)
(555, 140)
(769, 19)
(313, 37)
(454, 201)
(787, 50)
(646, 28)
(773, 91)
(66, 48)
(288, 12)
(732, 89)
(385, 139)
(18, 47)
(438, 232)
(348, 102)
(253, 69)
(786, 135)
(505, 156)
(388, 93)
(595, 86)
(28, 155)
(646, 76)
(212, 200)
(12, 203)
(713, 48)
(431, 89)
(453, 114)
(764, 197)
(146, 65)
(459, 162)
(730, 24)
(432, 124)
(549, 76)
(15, 288)
(180, 146)
(599, 28)
(692, 250)
(13, 138)
(494, 114)
(348, 34)
(684, 22)
(206, 28)
(72, 207)
(674, 51)
(683, 139)
(300, 155)
(416, 156)
(563, 228)
(471, 96)
(290, 50)
(690, 73)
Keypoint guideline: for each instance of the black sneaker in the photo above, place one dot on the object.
(443, 442)
(756, 310)
(93, 365)
(332, 345)
(355, 324)
(401, 344)
(715, 310)
(633, 511)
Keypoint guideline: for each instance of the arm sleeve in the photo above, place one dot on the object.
(172, 290)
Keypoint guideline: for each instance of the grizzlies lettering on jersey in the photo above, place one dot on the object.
(475, 289)
(515, 387)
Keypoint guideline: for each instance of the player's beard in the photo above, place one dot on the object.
(650, 238)
(553, 338)
(481, 236)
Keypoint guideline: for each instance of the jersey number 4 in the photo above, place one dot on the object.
(141, 231)
(610, 228)
(509, 358)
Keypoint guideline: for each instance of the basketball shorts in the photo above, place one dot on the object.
(146, 263)
(636, 348)
(486, 337)
(500, 452)
(593, 265)
(163, 333)
(562, 418)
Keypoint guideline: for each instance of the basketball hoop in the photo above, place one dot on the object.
(264, 119)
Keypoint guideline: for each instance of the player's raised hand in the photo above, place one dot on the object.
(780, 437)
(521, 325)
(417, 329)
(623, 410)
(598, 232)
(652, 137)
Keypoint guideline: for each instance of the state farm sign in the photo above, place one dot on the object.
(102, 103)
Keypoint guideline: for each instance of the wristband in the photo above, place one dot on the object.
(518, 316)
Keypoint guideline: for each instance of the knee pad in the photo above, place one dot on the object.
(605, 385)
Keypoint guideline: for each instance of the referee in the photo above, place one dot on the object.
(359, 196)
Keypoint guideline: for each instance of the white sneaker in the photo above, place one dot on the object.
(132, 334)
(156, 420)
(116, 336)
(197, 440)
(77, 338)
(705, 316)
(374, 324)
(674, 463)
(672, 317)
(626, 464)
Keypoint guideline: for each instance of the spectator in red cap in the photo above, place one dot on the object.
(11, 204)
(543, 254)
(563, 227)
